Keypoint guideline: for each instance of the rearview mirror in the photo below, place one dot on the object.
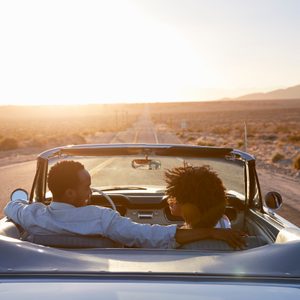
(19, 194)
(146, 164)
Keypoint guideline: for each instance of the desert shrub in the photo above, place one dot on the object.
(240, 144)
(37, 142)
(9, 144)
(277, 156)
(296, 162)
(199, 129)
(251, 130)
(282, 129)
(54, 140)
(204, 143)
(87, 133)
(221, 130)
(283, 140)
(268, 137)
(77, 139)
(191, 138)
(294, 138)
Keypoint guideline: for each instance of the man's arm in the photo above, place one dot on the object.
(14, 210)
(123, 230)
(233, 237)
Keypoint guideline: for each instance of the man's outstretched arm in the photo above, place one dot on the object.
(233, 237)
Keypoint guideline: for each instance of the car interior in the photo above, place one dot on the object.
(147, 209)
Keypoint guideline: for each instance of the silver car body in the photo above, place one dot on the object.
(270, 270)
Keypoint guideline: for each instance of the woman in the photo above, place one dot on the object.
(197, 194)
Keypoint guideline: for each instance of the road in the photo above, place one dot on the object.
(20, 175)
(144, 131)
(288, 187)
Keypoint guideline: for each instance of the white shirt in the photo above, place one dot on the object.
(224, 222)
(63, 218)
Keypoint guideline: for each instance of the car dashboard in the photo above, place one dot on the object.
(152, 208)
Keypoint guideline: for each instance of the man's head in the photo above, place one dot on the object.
(69, 182)
(197, 194)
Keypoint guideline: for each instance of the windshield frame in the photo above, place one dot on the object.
(38, 192)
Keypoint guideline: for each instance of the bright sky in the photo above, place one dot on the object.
(72, 52)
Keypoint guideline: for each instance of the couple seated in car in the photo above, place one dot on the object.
(195, 193)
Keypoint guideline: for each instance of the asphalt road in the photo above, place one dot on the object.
(15, 176)
(20, 175)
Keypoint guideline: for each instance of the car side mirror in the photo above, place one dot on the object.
(273, 200)
(19, 194)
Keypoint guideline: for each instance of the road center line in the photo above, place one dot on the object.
(155, 136)
(101, 166)
(136, 136)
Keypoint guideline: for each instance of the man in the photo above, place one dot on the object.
(69, 213)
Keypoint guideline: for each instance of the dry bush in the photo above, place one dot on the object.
(270, 124)
(252, 130)
(294, 139)
(76, 139)
(37, 142)
(268, 137)
(282, 129)
(9, 144)
(201, 142)
(180, 134)
(191, 138)
(277, 157)
(296, 163)
(42, 127)
(240, 144)
(221, 130)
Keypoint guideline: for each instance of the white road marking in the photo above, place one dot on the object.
(101, 166)
(115, 138)
(155, 135)
(136, 136)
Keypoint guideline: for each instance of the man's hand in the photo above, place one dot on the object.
(235, 238)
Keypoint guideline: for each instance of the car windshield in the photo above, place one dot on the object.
(137, 172)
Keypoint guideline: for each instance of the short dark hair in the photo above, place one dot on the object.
(200, 186)
(63, 175)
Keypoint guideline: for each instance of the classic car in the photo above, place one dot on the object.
(130, 179)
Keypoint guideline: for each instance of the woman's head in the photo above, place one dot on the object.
(197, 194)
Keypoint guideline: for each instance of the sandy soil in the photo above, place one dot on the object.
(278, 177)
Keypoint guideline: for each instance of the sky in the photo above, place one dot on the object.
(77, 52)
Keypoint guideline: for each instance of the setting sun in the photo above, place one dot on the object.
(75, 52)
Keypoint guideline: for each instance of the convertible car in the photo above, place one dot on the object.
(130, 179)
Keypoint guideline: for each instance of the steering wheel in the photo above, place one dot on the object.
(111, 202)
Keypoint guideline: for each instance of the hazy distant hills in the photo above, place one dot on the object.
(289, 93)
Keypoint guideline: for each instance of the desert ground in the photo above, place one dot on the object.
(272, 127)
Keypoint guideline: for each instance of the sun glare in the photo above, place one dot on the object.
(76, 52)
(113, 55)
